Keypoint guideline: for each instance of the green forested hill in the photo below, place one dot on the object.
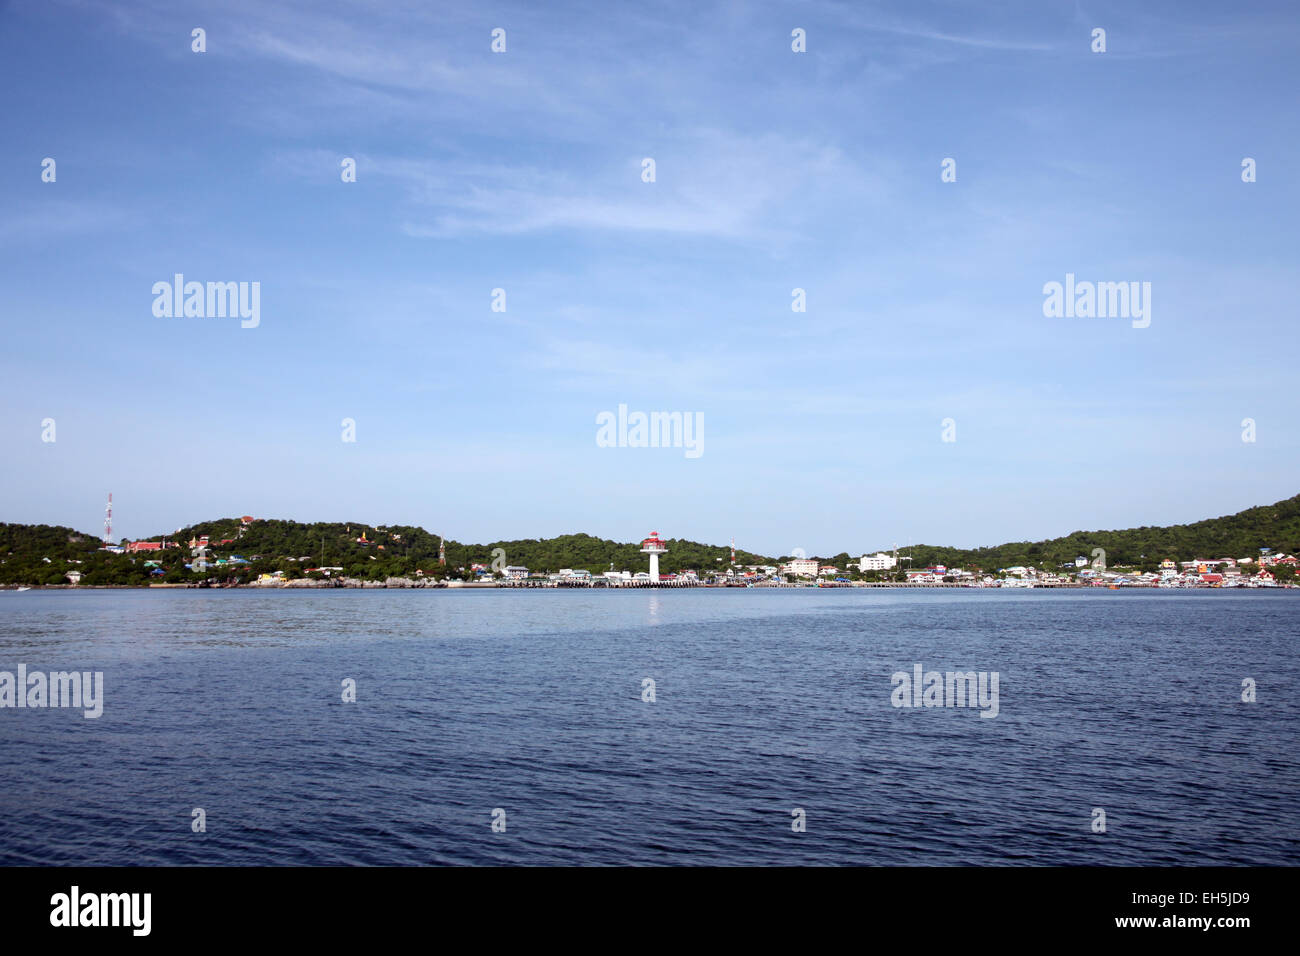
(596, 554)
(407, 548)
(24, 548)
(269, 545)
(1241, 535)
(48, 540)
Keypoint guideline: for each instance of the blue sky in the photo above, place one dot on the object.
(774, 170)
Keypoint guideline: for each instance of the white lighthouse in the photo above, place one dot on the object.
(654, 547)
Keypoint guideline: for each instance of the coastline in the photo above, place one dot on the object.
(356, 584)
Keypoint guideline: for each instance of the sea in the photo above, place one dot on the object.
(741, 726)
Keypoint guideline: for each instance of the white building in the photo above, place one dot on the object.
(804, 567)
(877, 562)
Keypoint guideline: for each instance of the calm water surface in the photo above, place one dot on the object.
(766, 701)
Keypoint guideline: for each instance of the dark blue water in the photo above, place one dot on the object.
(766, 701)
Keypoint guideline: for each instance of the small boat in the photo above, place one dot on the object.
(24, 589)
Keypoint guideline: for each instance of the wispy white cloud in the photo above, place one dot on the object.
(982, 42)
(34, 222)
(708, 183)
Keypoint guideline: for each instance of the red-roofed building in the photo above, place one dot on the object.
(144, 546)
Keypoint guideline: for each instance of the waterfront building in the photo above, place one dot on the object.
(803, 567)
(877, 562)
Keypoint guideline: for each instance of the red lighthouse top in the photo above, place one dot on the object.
(654, 543)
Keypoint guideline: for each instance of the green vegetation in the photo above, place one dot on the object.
(296, 549)
(582, 551)
(43, 555)
(1275, 526)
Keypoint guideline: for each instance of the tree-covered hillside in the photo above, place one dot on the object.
(1275, 526)
(403, 549)
(24, 549)
(41, 554)
(597, 554)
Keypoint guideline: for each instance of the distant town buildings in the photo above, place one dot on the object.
(1266, 569)
(877, 562)
(802, 567)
